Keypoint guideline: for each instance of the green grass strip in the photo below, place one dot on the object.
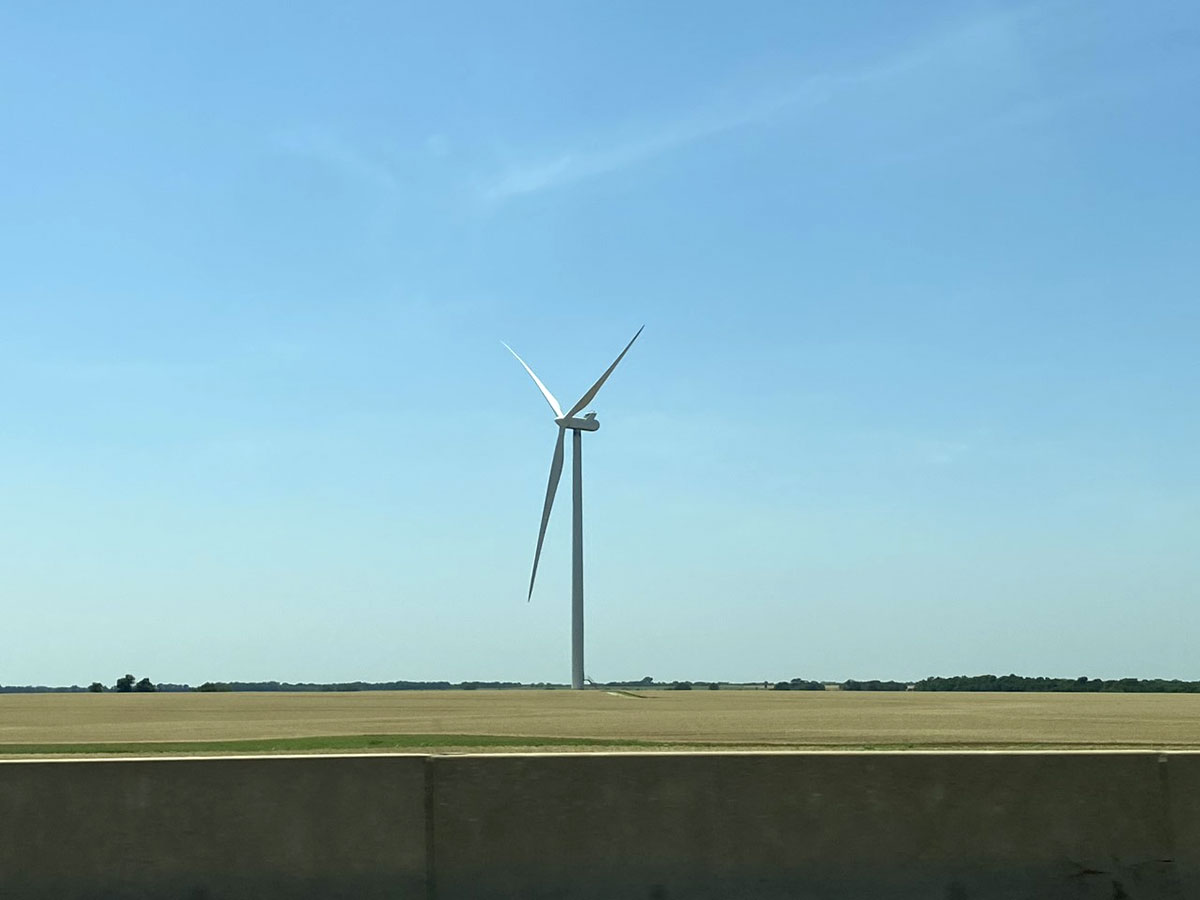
(331, 743)
(385, 743)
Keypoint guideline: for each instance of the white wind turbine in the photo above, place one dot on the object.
(578, 426)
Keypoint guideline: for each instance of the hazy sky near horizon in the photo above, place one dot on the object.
(917, 392)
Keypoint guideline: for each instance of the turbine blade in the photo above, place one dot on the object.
(556, 465)
(592, 391)
(541, 387)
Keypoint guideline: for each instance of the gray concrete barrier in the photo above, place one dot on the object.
(825, 826)
(1181, 784)
(208, 829)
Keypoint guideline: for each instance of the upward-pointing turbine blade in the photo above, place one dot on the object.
(592, 391)
(556, 465)
(541, 387)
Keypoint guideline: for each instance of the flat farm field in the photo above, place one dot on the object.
(506, 721)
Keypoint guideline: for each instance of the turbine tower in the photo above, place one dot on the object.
(577, 427)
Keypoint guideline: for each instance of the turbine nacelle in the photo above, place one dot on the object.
(587, 423)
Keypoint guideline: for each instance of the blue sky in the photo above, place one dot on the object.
(916, 394)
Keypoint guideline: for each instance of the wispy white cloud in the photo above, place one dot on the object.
(1024, 115)
(990, 38)
(340, 156)
(578, 165)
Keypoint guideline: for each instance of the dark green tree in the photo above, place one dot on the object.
(804, 684)
(96, 687)
(124, 685)
(145, 686)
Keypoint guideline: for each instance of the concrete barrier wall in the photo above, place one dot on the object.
(826, 826)
(1181, 777)
(206, 829)
(816, 826)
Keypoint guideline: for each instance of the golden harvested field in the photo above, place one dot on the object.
(667, 719)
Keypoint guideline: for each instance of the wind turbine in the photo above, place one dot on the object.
(577, 427)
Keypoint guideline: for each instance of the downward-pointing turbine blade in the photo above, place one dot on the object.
(556, 465)
(592, 391)
(541, 387)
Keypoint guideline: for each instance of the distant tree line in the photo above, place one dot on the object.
(127, 684)
(341, 686)
(799, 684)
(1013, 683)
(873, 685)
(1082, 684)
(646, 682)
(374, 686)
